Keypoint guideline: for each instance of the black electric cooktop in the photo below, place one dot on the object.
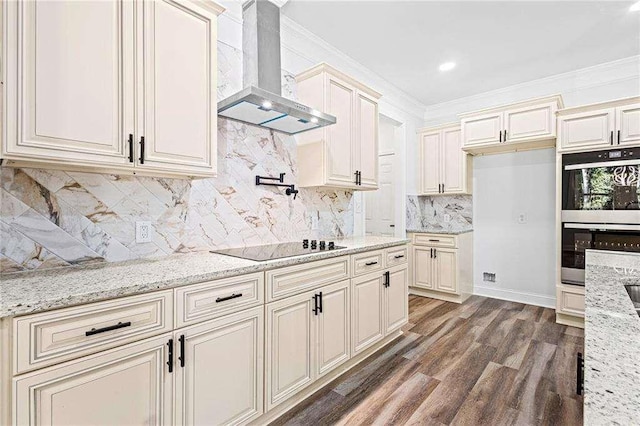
(279, 251)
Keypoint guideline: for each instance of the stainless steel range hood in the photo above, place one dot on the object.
(260, 103)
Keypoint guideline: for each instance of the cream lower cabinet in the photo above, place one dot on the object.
(307, 336)
(442, 266)
(219, 370)
(85, 74)
(130, 385)
(379, 305)
(600, 126)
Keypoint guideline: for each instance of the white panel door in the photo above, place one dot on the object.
(587, 130)
(341, 138)
(430, 163)
(126, 386)
(531, 122)
(289, 353)
(178, 87)
(367, 319)
(366, 146)
(423, 267)
(219, 376)
(380, 205)
(445, 275)
(75, 81)
(482, 129)
(396, 298)
(628, 125)
(454, 161)
(332, 328)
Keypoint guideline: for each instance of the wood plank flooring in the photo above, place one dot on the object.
(485, 362)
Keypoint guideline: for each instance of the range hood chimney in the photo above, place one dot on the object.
(260, 103)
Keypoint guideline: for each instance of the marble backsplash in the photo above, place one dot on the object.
(52, 218)
(427, 213)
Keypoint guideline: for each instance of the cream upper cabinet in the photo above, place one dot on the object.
(80, 99)
(599, 126)
(444, 168)
(521, 126)
(130, 385)
(345, 154)
(219, 370)
(367, 310)
(178, 84)
(396, 292)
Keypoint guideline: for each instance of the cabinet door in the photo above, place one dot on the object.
(340, 136)
(219, 376)
(178, 88)
(482, 129)
(366, 310)
(366, 146)
(332, 328)
(454, 162)
(423, 267)
(531, 122)
(397, 298)
(628, 125)
(445, 270)
(74, 98)
(430, 163)
(289, 354)
(126, 386)
(586, 130)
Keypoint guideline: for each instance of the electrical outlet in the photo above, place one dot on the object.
(144, 232)
(447, 217)
(522, 218)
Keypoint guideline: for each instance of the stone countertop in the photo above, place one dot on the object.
(29, 292)
(612, 340)
(439, 231)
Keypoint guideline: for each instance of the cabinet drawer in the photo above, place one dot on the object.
(296, 279)
(365, 263)
(395, 256)
(211, 299)
(52, 337)
(571, 300)
(435, 240)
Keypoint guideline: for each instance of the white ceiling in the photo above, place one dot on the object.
(494, 43)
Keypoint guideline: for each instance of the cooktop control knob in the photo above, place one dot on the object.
(305, 243)
(314, 244)
(323, 245)
(332, 245)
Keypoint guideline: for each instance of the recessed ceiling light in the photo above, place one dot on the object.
(314, 120)
(267, 105)
(635, 7)
(447, 66)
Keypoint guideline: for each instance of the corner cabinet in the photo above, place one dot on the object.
(442, 266)
(599, 126)
(343, 155)
(444, 168)
(117, 87)
(521, 126)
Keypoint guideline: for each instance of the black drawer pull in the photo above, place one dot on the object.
(141, 149)
(170, 355)
(370, 263)
(233, 296)
(130, 148)
(181, 357)
(109, 328)
(400, 256)
(435, 241)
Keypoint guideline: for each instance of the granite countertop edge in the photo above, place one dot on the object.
(438, 231)
(32, 292)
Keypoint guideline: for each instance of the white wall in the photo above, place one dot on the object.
(521, 255)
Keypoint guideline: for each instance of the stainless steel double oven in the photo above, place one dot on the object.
(600, 210)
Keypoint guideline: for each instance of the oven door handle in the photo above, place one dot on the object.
(612, 163)
(603, 226)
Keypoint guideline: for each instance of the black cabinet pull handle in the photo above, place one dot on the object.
(181, 357)
(435, 253)
(579, 374)
(141, 149)
(320, 297)
(443, 188)
(500, 135)
(400, 256)
(505, 135)
(360, 177)
(611, 138)
(431, 253)
(109, 328)
(370, 263)
(170, 361)
(618, 137)
(356, 173)
(387, 279)
(131, 147)
(233, 296)
(315, 309)
(435, 241)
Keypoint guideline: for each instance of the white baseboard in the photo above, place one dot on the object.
(516, 296)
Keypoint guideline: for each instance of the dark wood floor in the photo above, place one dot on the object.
(486, 361)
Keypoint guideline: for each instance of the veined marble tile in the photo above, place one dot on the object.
(8, 265)
(427, 213)
(99, 187)
(53, 180)
(26, 252)
(10, 206)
